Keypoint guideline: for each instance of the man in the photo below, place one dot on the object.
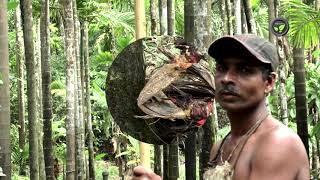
(258, 147)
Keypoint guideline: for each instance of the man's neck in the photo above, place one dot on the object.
(242, 121)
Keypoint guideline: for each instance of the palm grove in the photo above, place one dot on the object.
(54, 118)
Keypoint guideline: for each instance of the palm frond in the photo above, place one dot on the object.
(304, 22)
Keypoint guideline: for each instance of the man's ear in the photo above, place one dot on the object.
(270, 82)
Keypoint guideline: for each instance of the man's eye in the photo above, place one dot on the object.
(244, 69)
(220, 68)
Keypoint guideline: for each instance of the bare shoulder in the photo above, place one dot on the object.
(279, 148)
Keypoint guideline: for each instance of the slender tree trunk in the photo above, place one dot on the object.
(300, 96)
(189, 35)
(158, 159)
(173, 162)
(171, 17)
(153, 16)
(282, 86)
(229, 16)
(173, 148)
(27, 20)
(140, 33)
(71, 62)
(315, 158)
(223, 17)
(163, 17)
(79, 124)
(237, 15)
(5, 153)
(251, 24)
(243, 21)
(87, 100)
(271, 16)
(165, 162)
(42, 173)
(20, 82)
(46, 91)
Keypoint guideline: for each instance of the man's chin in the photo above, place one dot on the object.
(232, 107)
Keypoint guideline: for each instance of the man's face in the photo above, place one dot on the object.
(239, 84)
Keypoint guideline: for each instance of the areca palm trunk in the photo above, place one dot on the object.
(79, 124)
(223, 17)
(71, 62)
(5, 154)
(27, 21)
(243, 21)
(237, 16)
(171, 17)
(141, 33)
(20, 82)
(251, 24)
(300, 95)
(163, 15)
(271, 16)
(190, 142)
(39, 102)
(87, 100)
(229, 17)
(174, 162)
(153, 16)
(46, 91)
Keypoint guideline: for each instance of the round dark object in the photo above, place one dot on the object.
(127, 77)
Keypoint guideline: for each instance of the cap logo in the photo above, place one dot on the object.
(279, 26)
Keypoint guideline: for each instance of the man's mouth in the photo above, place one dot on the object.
(228, 93)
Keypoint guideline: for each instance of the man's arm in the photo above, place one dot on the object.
(280, 156)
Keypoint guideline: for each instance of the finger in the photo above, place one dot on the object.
(140, 170)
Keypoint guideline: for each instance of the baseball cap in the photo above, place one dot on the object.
(245, 45)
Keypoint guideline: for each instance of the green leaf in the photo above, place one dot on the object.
(100, 156)
(12, 5)
(275, 29)
(281, 27)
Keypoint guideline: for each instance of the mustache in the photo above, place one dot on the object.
(227, 89)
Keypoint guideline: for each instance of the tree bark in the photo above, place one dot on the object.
(140, 33)
(237, 15)
(165, 162)
(163, 15)
(189, 36)
(251, 24)
(300, 96)
(173, 162)
(229, 15)
(27, 21)
(171, 17)
(223, 17)
(5, 152)
(158, 159)
(243, 21)
(271, 16)
(20, 82)
(46, 90)
(87, 101)
(39, 101)
(79, 124)
(71, 62)
(282, 86)
(153, 16)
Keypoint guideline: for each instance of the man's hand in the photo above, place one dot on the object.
(142, 173)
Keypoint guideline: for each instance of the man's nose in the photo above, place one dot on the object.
(228, 77)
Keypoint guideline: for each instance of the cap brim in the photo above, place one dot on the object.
(229, 46)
